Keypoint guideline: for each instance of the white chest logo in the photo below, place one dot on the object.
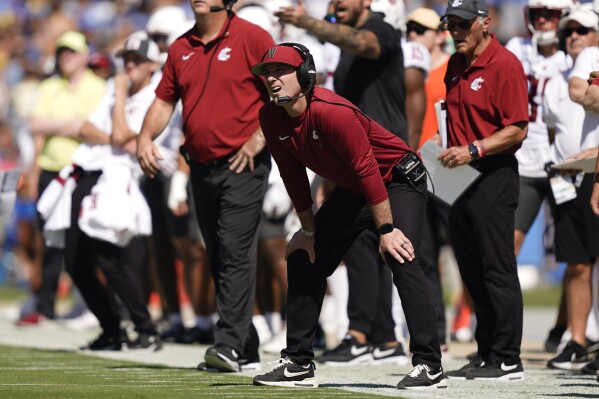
(185, 57)
(224, 54)
(315, 136)
(477, 84)
(456, 3)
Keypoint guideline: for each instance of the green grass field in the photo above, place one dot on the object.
(30, 373)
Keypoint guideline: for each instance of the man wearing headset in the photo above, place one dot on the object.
(208, 69)
(381, 186)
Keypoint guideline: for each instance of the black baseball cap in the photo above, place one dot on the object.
(467, 9)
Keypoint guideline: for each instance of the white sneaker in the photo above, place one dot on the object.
(262, 328)
(87, 321)
(276, 344)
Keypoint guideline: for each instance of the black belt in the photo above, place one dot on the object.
(216, 162)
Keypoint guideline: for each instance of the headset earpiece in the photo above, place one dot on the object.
(306, 72)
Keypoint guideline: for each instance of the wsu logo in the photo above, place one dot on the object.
(477, 84)
(456, 3)
(224, 54)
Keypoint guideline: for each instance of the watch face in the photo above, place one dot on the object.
(473, 150)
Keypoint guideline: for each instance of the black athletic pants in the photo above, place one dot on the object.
(51, 261)
(228, 206)
(481, 226)
(339, 222)
(84, 254)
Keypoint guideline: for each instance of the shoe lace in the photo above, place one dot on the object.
(418, 369)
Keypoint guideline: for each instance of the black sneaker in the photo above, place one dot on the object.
(174, 333)
(222, 358)
(108, 342)
(474, 362)
(383, 354)
(289, 374)
(553, 339)
(591, 368)
(573, 357)
(494, 371)
(146, 341)
(423, 377)
(349, 352)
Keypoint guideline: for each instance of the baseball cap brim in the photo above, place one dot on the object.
(464, 14)
(278, 55)
(426, 17)
(74, 41)
(588, 19)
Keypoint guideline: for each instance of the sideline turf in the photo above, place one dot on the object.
(32, 373)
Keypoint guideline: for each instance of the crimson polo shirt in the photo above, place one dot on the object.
(485, 97)
(220, 120)
(335, 141)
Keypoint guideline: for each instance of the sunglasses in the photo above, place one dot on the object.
(415, 27)
(463, 24)
(158, 37)
(581, 31)
(536, 13)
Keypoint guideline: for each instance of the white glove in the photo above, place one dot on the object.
(178, 189)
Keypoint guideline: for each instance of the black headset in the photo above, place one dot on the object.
(306, 72)
(229, 4)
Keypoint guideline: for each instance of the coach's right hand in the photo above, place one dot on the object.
(148, 156)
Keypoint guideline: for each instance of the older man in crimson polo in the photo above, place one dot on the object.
(208, 69)
(487, 108)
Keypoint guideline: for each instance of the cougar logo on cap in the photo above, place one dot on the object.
(456, 3)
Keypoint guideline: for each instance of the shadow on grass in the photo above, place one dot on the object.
(366, 386)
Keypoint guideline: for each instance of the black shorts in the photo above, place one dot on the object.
(533, 190)
(576, 226)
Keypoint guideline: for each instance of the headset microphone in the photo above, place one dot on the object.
(287, 99)
(217, 8)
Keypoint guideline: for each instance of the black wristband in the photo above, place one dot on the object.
(385, 228)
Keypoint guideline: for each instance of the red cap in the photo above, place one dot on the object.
(279, 55)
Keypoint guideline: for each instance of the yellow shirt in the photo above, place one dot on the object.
(55, 99)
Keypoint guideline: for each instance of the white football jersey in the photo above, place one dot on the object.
(535, 152)
(586, 62)
(564, 115)
(415, 55)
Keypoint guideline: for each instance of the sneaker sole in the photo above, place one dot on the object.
(149, 349)
(307, 383)
(221, 363)
(455, 378)
(567, 366)
(399, 360)
(366, 359)
(440, 385)
(509, 377)
(256, 366)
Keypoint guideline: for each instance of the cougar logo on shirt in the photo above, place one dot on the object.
(456, 3)
(477, 84)
(224, 54)
(315, 135)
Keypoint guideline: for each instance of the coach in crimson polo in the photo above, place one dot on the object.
(487, 117)
(208, 69)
